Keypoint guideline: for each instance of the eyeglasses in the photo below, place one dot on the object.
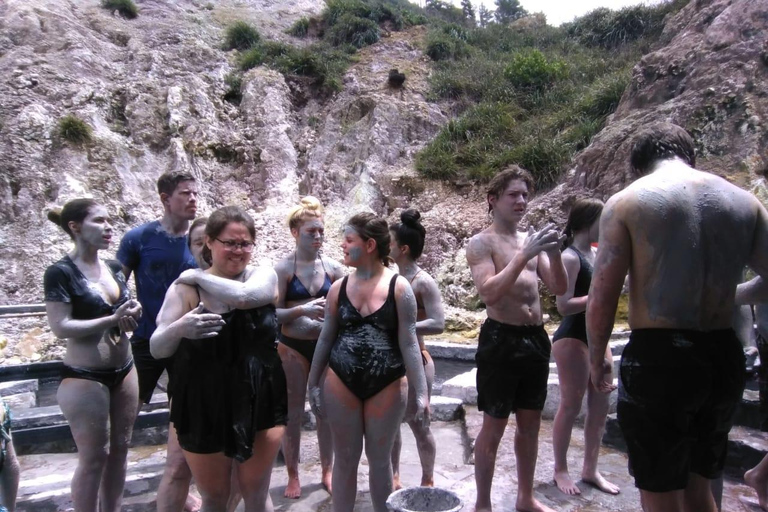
(231, 245)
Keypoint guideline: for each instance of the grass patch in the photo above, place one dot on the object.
(74, 130)
(126, 8)
(300, 28)
(234, 92)
(531, 95)
(353, 30)
(241, 36)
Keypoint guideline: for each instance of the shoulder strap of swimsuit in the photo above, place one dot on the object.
(415, 275)
(294, 263)
(343, 291)
(322, 264)
(392, 283)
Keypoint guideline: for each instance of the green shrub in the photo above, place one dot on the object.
(336, 9)
(530, 69)
(604, 96)
(300, 28)
(234, 93)
(442, 46)
(354, 30)
(611, 29)
(241, 36)
(251, 58)
(126, 8)
(74, 129)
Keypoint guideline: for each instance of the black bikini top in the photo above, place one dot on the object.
(297, 291)
(65, 282)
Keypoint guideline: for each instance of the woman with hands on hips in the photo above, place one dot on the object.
(87, 303)
(369, 342)
(229, 400)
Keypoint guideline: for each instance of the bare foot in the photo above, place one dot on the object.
(532, 506)
(193, 503)
(565, 484)
(396, 485)
(293, 489)
(601, 483)
(759, 485)
(327, 480)
(427, 481)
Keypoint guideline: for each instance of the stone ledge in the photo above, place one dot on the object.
(443, 408)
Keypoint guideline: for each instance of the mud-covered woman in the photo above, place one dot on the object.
(369, 342)
(304, 277)
(229, 391)
(571, 353)
(405, 248)
(88, 304)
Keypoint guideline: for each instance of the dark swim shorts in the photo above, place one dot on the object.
(512, 368)
(678, 392)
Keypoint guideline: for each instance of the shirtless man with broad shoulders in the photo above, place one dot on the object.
(685, 237)
(513, 348)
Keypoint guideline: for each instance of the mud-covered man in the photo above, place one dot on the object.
(685, 237)
(513, 349)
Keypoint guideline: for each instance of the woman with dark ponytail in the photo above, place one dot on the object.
(569, 348)
(368, 342)
(405, 248)
(87, 303)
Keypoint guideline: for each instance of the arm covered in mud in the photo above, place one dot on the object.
(307, 317)
(611, 266)
(567, 304)
(323, 350)
(64, 326)
(259, 289)
(177, 319)
(405, 301)
(434, 321)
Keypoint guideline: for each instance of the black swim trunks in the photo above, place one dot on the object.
(512, 368)
(678, 391)
(149, 369)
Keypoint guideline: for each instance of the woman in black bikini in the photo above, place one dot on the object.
(229, 391)
(406, 247)
(300, 309)
(88, 305)
(569, 348)
(369, 342)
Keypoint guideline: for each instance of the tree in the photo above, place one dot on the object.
(486, 16)
(469, 11)
(508, 11)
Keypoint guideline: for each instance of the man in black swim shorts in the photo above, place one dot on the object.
(685, 237)
(513, 349)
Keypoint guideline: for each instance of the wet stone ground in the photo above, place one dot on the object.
(45, 478)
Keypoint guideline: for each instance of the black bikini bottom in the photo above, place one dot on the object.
(304, 347)
(110, 378)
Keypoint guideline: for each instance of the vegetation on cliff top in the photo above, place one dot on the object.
(527, 93)
(126, 8)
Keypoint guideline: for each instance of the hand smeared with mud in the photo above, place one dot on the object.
(196, 324)
(314, 309)
(547, 239)
(601, 375)
(316, 402)
(418, 410)
(128, 315)
(189, 277)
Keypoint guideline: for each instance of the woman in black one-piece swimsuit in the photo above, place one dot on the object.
(87, 303)
(569, 348)
(229, 395)
(369, 342)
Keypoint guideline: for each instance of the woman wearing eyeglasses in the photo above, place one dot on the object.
(229, 397)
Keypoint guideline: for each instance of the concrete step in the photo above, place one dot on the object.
(464, 387)
(746, 446)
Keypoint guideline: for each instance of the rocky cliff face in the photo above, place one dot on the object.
(152, 89)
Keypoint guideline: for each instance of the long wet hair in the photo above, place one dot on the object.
(219, 220)
(75, 210)
(584, 213)
(410, 232)
(369, 226)
(309, 206)
(661, 141)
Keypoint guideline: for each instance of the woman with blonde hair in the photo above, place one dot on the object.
(304, 278)
(88, 304)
